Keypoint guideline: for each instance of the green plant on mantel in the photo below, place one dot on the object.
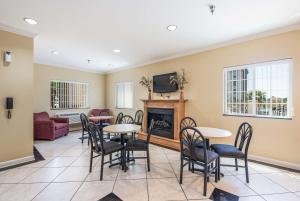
(180, 80)
(147, 83)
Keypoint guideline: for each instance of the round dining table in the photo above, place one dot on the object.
(209, 132)
(121, 129)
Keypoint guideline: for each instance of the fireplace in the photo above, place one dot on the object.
(165, 122)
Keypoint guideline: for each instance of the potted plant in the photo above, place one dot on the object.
(147, 83)
(180, 80)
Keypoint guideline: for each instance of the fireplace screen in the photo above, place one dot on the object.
(165, 122)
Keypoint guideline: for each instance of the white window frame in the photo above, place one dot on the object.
(290, 109)
(75, 99)
(116, 94)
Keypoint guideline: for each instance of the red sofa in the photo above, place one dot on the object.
(46, 128)
(100, 112)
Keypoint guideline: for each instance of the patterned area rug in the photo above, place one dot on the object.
(110, 197)
(220, 195)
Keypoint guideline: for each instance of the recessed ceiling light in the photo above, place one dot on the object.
(117, 50)
(172, 27)
(30, 21)
(89, 60)
(54, 52)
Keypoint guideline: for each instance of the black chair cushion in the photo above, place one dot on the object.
(136, 145)
(227, 150)
(110, 147)
(198, 155)
(118, 138)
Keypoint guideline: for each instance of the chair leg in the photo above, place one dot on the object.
(246, 169)
(82, 136)
(236, 164)
(181, 170)
(110, 159)
(216, 171)
(91, 160)
(205, 181)
(148, 160)
(102, 165)
(219, 168)
(189, 164)
(193, 167)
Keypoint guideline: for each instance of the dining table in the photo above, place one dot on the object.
(100, 119)
(122, 130)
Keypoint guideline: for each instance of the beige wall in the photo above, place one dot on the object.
(43, 74)
(275, 139)
(16, 80)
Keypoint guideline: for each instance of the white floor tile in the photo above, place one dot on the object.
(251, 198)
(73, 174)
(160, 170)
(92, 191)
(282, 197)
(60, 162)
(131, 190)
(165, 189)
(289, 181)
(262, 185)
(16, 175)
(43, 175)
(133, 172)
(22, 192)
(58, 191)
(233, 185)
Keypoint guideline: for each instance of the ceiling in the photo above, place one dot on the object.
(91, 29)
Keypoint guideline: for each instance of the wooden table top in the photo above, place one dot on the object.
(99, 118)
(213, 132)
(122, 128)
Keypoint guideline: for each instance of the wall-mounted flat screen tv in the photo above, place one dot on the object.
(161, 83)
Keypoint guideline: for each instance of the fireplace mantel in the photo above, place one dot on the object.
(179, 112)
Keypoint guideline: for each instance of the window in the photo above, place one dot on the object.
(261, 90)
(124, 95)
(68, 95)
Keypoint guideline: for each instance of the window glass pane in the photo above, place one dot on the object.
(260, 90)
(124, 95)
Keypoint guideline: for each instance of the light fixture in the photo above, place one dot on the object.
(212, 8)
(117, 50)
(172, 27)
(89, 60)
(54, 52)
(30, 21)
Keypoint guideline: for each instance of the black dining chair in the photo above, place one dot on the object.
(126, 119)
(119, 118)
(84, 123)
(140, 145)
(239, 150)
(190, 152)
(138, 117)
(102, 148)
(187, 121)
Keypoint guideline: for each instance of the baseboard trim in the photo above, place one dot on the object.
(274, 162)
(16, 161)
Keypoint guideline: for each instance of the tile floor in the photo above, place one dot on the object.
(64, 175)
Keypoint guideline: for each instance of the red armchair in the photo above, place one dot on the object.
(46, 128)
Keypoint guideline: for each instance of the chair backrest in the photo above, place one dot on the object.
(96, 137)
(187, 121)
(243, 137)
(84, 121)
(138, 118)
(41, 116)
(126, 119)
(190, 137)
(150, 129)
(119, 118)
